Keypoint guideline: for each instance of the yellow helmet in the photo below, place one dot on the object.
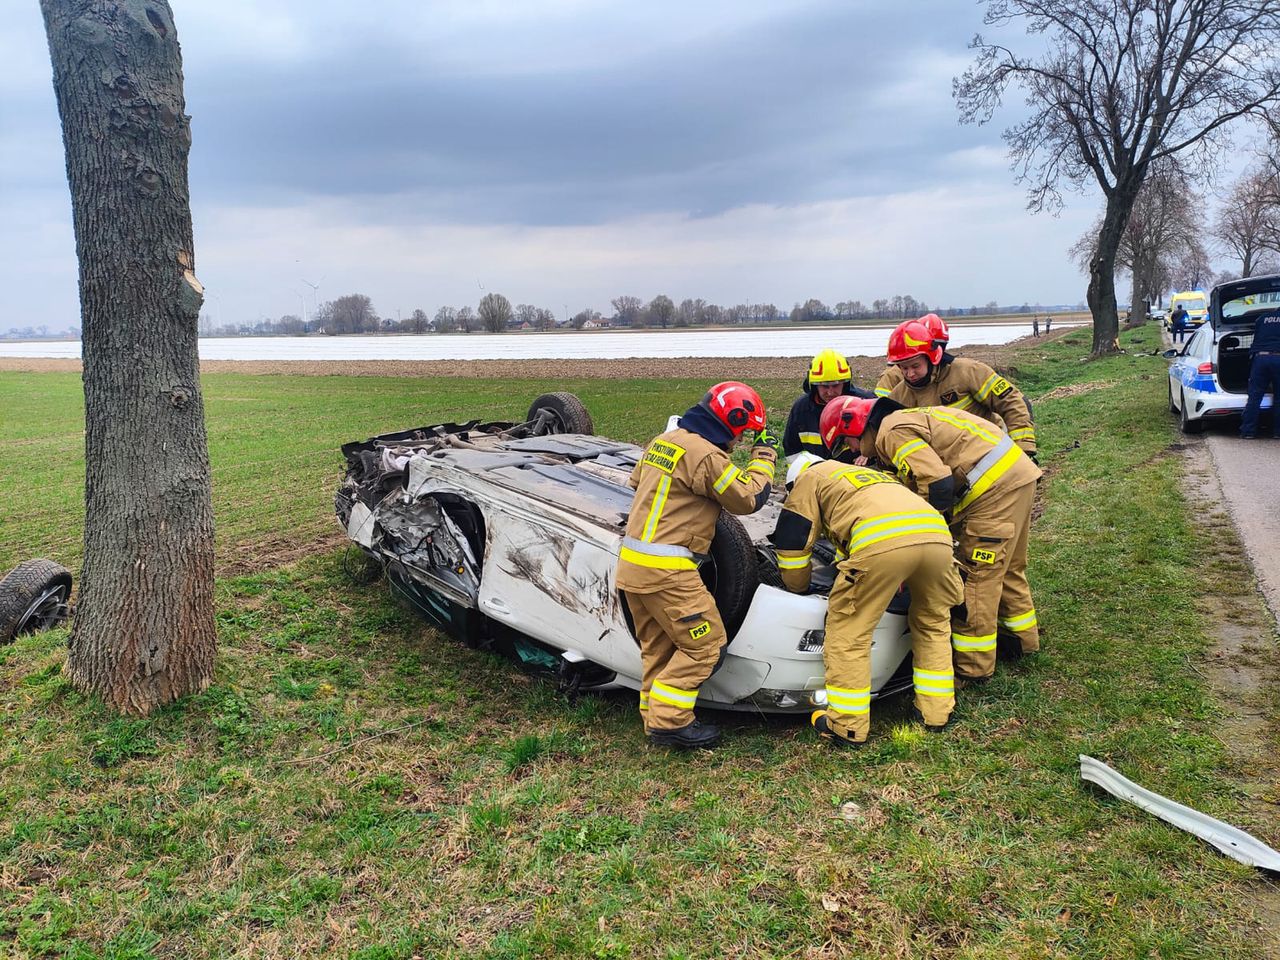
(829, 367)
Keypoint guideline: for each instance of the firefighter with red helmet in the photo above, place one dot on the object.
(682, 481)
(922, 374)
(829, 377)
(975, 475)
(885, 536)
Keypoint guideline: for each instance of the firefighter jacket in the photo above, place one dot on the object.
(964, 384)
(801, 434)
(930, 445)
(863, 513)
(682, 481)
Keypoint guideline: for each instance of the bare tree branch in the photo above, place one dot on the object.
(1117, 88)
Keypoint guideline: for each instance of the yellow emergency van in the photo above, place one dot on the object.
(1194, 302)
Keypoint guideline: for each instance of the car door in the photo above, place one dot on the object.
(1182, 369)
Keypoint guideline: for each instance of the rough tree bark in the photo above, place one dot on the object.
(1101, 294)
(144, 628)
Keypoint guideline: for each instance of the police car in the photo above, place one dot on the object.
(1209, 376)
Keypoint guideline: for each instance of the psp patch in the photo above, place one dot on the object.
(701, 630)
(984, 556)
(663, 455)
(1001, 387)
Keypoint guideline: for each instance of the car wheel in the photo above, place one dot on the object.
(564, 413)
(33, 597)
(1172, 406)
(731, 575)
(1186, 424)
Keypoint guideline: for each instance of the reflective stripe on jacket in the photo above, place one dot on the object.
(862, 512)
(964, 384)
(682, 481)
(931, 443)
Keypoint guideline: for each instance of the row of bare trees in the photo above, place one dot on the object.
(1165, 244)
(1118, 90)
(354, 313)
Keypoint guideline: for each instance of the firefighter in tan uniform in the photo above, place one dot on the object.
(887, 536)
(682, 481)
(923, 374)
(973, 473)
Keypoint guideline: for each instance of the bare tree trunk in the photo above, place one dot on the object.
(1137, 315)
(1101, 295)
(144, 629)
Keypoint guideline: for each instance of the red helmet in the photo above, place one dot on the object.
(735, 405)
(843, 417)
(938, 327)
(912, 339)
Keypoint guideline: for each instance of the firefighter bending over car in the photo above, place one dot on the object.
(829, 377)
(977, 477)
(885, 536)
(682, 481)
(923, 374)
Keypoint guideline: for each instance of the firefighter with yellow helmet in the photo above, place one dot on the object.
(682, 481)
(887, 536)
(922, 374)
(975, 475)
(829, 377)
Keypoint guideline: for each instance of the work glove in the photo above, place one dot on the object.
(765, 438)
(1033, 456)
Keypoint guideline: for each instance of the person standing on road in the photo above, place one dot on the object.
(1178, 323)
(829, 377)
(1264, 375)
(682, 481)
(929, 376)
(985, 485)
(887, 536)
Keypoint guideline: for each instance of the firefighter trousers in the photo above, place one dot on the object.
(859, 598)
(992, 549)
(681, 639)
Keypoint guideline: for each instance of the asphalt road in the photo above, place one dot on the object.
(1248, 471)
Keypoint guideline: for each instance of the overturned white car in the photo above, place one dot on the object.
(507, 536)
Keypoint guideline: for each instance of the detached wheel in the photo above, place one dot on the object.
(562, 413)
(1185, 423)
(33, 597)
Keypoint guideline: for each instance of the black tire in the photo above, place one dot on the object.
(1172, 407)
(33, 596)
(731, 574)
(1185, 423)
(567, 414)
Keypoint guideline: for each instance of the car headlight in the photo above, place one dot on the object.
(811, 641)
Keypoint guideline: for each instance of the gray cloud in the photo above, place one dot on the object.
(795, 108)
(567, 150)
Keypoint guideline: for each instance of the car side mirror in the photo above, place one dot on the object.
(1170, 354)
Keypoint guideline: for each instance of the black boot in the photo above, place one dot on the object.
(692, 736)
(825, 731)
(918, 717)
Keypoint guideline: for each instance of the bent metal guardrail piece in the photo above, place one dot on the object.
(1235, 843)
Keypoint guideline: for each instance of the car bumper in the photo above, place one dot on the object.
(784, 633)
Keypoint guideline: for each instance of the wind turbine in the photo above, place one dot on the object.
(315, 287)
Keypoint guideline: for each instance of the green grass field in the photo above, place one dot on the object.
(356, 785)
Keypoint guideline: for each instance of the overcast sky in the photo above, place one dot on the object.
(561, 152)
